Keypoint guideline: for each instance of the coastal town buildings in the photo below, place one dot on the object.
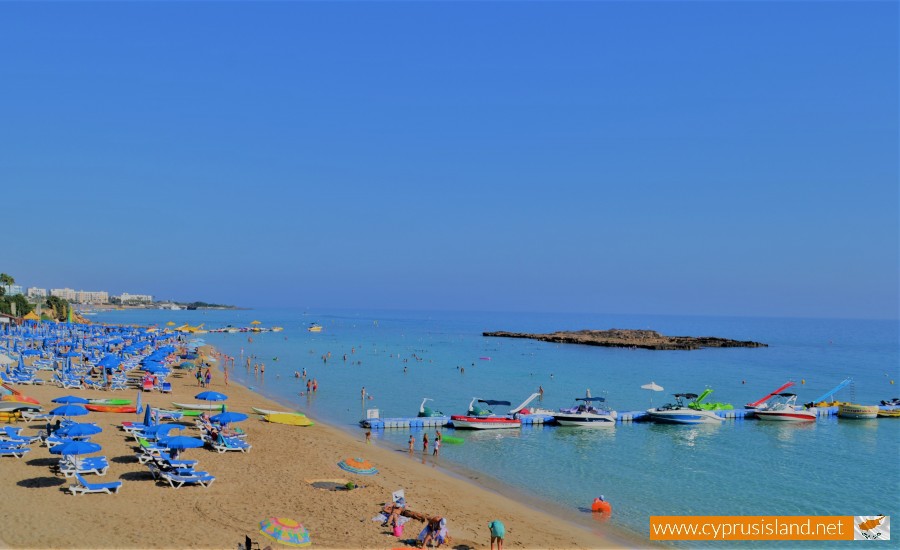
(12, 290)
(127, 298)
(64, 293)
(35, 292)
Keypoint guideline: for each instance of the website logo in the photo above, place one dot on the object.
(871, 527)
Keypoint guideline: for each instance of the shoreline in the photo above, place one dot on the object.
(273, 479)
(618, 536)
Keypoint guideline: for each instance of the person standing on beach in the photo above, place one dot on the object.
(498, 531)
(425, 443)
(208, 377)
(412, 441)
(226, 377)
(368, 436)
(437, 445)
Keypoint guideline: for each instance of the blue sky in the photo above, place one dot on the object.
(729, 158)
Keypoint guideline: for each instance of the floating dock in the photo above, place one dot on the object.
(532, 419)
(409, 422)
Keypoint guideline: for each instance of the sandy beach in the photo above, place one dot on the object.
(273, 479)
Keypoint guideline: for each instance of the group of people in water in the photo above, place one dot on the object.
(438, 438)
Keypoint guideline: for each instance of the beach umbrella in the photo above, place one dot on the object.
(181, 442)
(211, 396)
(652, 386)
(148, 419)
(70, 400)
(69, 410)
(358, 466)
(161, 431)
(229, 417)
(72, 448)
(77, 429)
(28, 352)
(285, 531)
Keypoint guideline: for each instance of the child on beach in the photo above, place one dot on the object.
(412, 442)
(437, 446)
(498, 531)
(368, 436)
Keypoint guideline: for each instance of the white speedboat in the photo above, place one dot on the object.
(783, 408)
(589, 412)
(679, 413)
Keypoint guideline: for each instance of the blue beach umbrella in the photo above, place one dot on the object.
(76, 429)
(139, 407)
(228, 417)
(71, 448)
(69, 410)
(148, 420)
(161, 431)
(181, 442)
(70, 400)
(211, 396)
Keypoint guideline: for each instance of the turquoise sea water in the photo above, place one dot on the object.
(744, 467)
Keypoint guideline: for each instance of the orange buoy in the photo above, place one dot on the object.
(600, 505)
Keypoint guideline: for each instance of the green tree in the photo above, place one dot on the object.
(59, 306)
(5, 280)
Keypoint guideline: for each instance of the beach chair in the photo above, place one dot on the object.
(149, 447)
(94, 465)
(84, 487)
(17, 452)
(165, 387)
(147, 384)
(72, 384)
(90, 384)
(176, 480)
(15, 434)
(34, 416)
(225, 444)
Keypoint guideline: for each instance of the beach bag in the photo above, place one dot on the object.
(398, 530)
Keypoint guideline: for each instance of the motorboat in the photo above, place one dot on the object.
(859, 412)
(314, 327)
(679, 413)
(761, 403)
(699, 404)
(480, 418)
(784, 408)
(588, 412)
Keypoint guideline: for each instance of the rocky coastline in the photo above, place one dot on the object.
(628, 338)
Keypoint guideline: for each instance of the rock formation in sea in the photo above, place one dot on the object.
(628, 338)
